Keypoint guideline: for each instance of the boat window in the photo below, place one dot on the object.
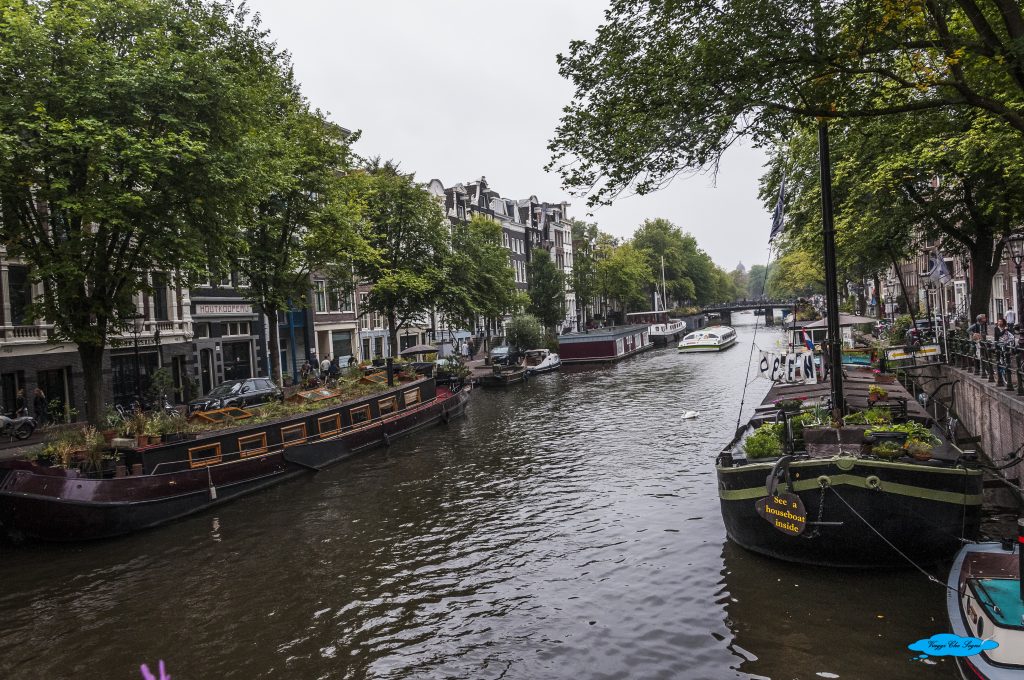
(208, 454)
(359, 415)
(293, 434)
(412, 397)
(386, 406)
(712, 336)
(252, 444)
(328, 425)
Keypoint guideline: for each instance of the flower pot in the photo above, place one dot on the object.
(108, 435)
(141, 440)
(921, 455)
(155, 439)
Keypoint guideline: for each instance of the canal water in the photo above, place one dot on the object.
(567, 528)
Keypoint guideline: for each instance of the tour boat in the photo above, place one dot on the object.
(541, 361)
(181, 478)
(662, 329)
(829, 500)
(711, 339)
(985, 600)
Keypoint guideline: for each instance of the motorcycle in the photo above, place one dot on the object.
(17, 427)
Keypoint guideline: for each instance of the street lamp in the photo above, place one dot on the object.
(137, 328)
(1015, 243)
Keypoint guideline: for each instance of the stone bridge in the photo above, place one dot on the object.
(768, 306)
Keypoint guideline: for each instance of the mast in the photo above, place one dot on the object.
(835, 347)
(664, 289)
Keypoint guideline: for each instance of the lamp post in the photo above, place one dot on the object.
(1016, 245)
(137, 327)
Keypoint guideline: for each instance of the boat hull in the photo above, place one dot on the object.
(923, 511)
(43, 504)
(503, 379)
(707, 348)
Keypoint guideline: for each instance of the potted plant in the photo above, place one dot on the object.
(889, 450)
(919, 449)
(789, 405)
(135, 426)
(884, 378)
(112, 421)
(765, 441)
(877, 394)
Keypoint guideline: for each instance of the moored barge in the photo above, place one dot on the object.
(183, 478)
(604, 345)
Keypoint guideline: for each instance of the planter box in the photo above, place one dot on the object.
(885, 378)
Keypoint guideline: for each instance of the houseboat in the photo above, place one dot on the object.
(503, 376)
(604, 345)
(178, 479)
(884, 487)
(710, 339)
(661, 329)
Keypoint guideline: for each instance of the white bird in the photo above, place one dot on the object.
(689, 414)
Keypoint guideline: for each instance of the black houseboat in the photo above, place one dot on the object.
(182, 478)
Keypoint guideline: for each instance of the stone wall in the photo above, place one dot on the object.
(993, 413)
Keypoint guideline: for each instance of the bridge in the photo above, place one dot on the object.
(767, 305)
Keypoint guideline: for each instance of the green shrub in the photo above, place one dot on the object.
(765, 442)
(887, 450)
(898, 329)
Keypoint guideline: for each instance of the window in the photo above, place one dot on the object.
(412, 397)
(320, 293)
(364, 318)
(329, 425)
(20, 293)
(293, 434)
(235, 328)
(200, 456)
(334, 300)
(504, 238)
(252, 444)
(160, 296)
(220, 280)
(202, 330)
(387, 406)
(243, 280)
(359, 415)
(346, 303)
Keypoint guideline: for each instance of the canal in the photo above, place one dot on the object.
(568, 528)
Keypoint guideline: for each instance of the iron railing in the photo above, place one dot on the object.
(997, 362)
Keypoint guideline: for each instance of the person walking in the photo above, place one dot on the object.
(20, 407)
(1011, 318)
(325, 367)
(39, 407)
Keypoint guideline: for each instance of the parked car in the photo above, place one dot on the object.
(240, 393)
(500, 355)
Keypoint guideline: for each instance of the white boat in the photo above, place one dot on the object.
(710, 339)
(661, 328)
(984, 601)
(541, 361)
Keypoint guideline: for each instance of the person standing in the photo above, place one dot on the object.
(325, 367)
(1011, 318)
(39, 407)
(20, 407)
(979, 328)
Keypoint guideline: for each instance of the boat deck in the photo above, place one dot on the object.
(856, 383)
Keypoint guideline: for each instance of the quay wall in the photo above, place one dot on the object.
(994, 414)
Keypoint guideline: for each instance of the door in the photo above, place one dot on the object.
(206, 369)
(53, 383)
(237, 361)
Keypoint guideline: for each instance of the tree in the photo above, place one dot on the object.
(667, 87)
(756, 282)
(623, 275)
(480, 280)
(546, 289)
(797, 273)
(584, 266)
(130, 142)
(308, 220)
(524, 332)
(409, 240)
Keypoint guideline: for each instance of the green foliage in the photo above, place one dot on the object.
(765, 441)
(622, 275)
(912, 429)
(480, 280)
(408, 243)
(546, 289)
(583, 280)
(887, 449)
(524, 332)
(898, 329)
(666, 87)
(872, 416)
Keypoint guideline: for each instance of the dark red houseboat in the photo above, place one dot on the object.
(182, 478)
(604, 345)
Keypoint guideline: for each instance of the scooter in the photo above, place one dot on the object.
(18, 427)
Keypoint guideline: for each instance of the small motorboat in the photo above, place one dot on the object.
(541, 361)
(710, 339)
(689, 415)
(984, 600)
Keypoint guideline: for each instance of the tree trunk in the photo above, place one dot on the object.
(393, 332)
(982, 270)
(275, 347)
(903, 288)
(92, 372)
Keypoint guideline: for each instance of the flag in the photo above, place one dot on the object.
(937, 271)
(777, 216)
(808, 342)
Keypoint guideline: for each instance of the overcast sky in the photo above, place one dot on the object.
(456, 89)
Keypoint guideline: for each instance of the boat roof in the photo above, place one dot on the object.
(844, 320)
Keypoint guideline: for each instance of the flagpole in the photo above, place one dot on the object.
(835, 348)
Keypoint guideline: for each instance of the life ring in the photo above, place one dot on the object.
(873, 482)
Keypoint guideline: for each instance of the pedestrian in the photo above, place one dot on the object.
(20, 407)
(1011, 318)
(304, 373)
(1000, 330)
(325, 366)
(465, 350)
(39, 406)
(979, 329)
(334, 370)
